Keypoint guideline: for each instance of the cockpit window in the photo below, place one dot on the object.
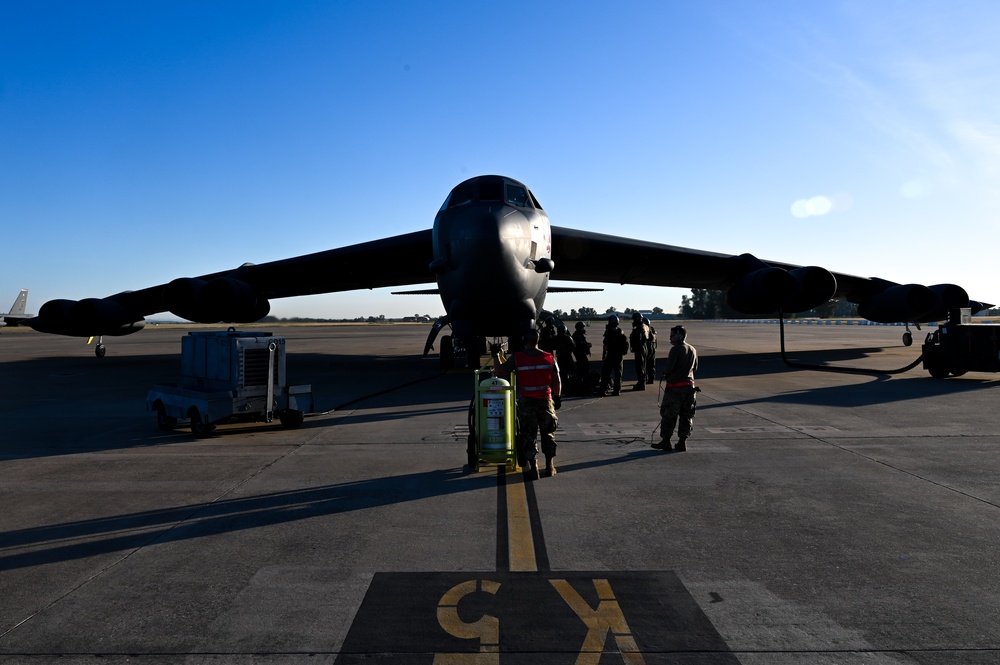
(534, 200)
(517, 196)
(464, 193)
(490, 190)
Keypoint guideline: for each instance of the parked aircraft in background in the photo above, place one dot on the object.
(491, 253)
(17, 311)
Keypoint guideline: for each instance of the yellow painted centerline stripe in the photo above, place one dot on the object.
(519, 540)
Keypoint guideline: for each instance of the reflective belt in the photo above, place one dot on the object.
(680, 384)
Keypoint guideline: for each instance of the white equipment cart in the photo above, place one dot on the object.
(230, 376)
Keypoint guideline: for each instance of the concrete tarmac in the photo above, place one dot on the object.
(817, 518)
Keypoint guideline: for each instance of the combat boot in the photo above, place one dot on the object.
(550, 468)
(662, 444)
(531, 472)
(681, 447)
(639, 386)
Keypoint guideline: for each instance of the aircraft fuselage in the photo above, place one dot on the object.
(492, 255)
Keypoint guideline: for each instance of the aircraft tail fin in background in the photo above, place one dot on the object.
(20, 305)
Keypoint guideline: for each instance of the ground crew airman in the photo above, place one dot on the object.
(581, 351)
(615, 348)
(565, 346)
(547, 335)
(639, 341)
(650, 352)
(538, 396)
(679, 391)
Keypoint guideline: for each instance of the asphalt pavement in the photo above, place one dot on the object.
(817, 517)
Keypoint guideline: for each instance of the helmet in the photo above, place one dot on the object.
(561, 328)
(636, 316)
(645, 320)
(551, 321)
(613, 320)
(580, 325)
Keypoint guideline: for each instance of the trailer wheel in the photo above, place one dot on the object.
(199, 427)
(938, 371)
(163, 421)
(291, 419)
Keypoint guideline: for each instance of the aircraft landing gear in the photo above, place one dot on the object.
(100, 350)
(908, 336)
(447, 353)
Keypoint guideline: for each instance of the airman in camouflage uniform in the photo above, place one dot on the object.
(679, 391)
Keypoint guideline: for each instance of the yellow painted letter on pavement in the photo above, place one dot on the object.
(486, 629)
(607, 617)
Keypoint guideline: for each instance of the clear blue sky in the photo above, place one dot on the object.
(143, 141)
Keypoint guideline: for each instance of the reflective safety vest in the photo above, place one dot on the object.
(534, 374)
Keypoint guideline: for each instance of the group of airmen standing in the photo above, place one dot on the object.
(551, 349)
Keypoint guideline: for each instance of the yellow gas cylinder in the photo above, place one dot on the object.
(496, 416)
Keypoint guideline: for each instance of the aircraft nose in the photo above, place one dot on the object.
(488, 240)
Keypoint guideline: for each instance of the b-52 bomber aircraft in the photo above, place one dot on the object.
(492, 253)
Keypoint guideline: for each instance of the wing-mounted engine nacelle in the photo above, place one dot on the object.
(815, 286)
(913, 303)
(224, 299)
(903, 302)
(948, 297)
(90, 317)
(764, 289)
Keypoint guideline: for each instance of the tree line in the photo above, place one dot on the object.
(701, 304)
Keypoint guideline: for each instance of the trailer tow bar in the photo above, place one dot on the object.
(831, 368)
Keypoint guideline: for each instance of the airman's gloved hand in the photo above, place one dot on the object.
(557, 402)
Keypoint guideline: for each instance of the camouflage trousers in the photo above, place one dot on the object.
(678, 405)
(534, 416)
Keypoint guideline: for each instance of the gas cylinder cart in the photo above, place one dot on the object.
(230, 376)
(492, 422)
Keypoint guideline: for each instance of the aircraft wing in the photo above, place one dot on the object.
(395, 261)
(596, 257)
(242, 294)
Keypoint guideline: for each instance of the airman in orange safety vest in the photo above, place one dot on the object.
(538, 396)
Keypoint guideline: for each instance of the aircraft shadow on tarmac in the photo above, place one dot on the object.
(120, 533)
(867, 390)
(752, 364)
(113, 389)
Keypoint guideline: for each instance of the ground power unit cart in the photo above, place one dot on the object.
(230, 376)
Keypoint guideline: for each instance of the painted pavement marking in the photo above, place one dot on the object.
(491, 618)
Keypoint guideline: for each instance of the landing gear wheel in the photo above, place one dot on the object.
(100, 350)
(163, 421)
(447, 353)
(907, 338)
(199, 427)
